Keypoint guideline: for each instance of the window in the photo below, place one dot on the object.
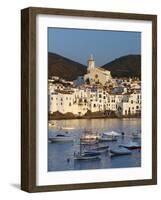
(70, 104)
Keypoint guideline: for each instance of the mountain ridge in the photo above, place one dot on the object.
(124, 66)
(64, 67)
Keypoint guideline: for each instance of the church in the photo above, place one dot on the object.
(96, 74)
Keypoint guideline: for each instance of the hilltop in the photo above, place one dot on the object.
(64, 67)
(125, 66)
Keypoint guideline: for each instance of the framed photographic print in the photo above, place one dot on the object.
(88, 99)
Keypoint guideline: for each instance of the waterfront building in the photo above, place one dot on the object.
(78, 101)
(130, 104)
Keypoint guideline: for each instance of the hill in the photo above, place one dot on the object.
(125, 66)
(64, 67)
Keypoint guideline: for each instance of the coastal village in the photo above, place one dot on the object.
(96, 94)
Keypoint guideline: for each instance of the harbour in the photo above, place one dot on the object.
(66, 151)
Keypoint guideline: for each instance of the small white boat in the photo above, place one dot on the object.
(119, 151)
(109, 136)
(60, 138)
(112, 134)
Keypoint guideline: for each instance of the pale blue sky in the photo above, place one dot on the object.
(105, 46)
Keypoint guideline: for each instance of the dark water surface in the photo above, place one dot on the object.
(61, 155)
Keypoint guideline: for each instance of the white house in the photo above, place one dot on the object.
(130, 105)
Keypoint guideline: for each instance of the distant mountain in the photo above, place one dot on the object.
(125, 66)
(64, 67)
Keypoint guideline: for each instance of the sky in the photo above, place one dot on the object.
(105, 46)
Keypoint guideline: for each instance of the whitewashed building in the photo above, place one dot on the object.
(109, 95)
(130, 105)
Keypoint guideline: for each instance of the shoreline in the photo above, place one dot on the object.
(67, 117)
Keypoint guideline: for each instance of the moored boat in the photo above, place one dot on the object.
(100, 150)
(111, 134)
(107, 139)
(131, 145)
(89, 136)
(119, 151)
(60, 138)
(86, 157)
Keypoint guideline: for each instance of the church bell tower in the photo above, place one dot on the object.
(90, 64)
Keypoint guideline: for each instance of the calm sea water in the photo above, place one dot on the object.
(61, 155)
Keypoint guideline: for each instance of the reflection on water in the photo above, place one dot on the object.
(61, 155)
